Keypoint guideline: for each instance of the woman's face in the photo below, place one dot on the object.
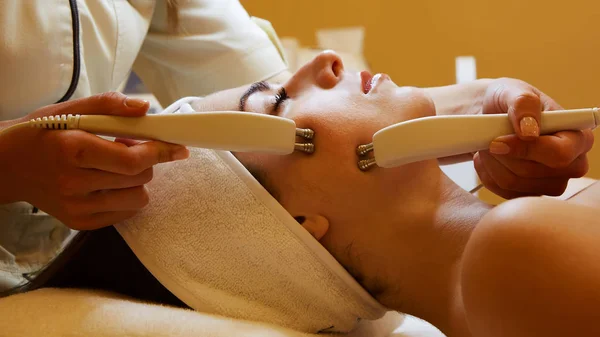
(345, 208)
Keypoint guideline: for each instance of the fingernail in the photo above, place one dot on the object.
(180, 154)
(135, 102)
(529, 127)
(499, 148)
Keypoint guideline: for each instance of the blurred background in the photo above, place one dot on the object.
(553, 45)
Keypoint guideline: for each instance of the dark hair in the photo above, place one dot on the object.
(261, 177)
(101, 259)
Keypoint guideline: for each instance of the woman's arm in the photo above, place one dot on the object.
(217, 46)
(459, 99)
(60, 171)
(526, 163)
(532, 268)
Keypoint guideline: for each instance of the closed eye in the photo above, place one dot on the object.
(280, 97)
(255, 87)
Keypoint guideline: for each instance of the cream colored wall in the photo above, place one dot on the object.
(554, 45)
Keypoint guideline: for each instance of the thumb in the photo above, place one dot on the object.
(521, 102)
(110, 103)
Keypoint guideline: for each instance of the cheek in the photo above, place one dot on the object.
(332, 172)
(291, 178)
(322, 182)
(329, 180)
(338, 132)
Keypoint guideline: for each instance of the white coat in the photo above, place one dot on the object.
(57, 50)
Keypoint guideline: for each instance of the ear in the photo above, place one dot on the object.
(316, 225)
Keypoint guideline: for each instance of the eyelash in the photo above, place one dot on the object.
(280, 97)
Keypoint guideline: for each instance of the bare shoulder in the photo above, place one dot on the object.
(532, 268)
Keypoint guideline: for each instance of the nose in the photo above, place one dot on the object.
(327, 69)
(324, 71)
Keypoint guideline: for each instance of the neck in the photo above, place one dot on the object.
(431, 290)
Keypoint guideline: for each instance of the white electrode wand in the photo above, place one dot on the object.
(220, 130)
(445, 136)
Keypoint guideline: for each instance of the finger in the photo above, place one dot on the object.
(555, 151)
(489, 183)
(85, 181)
(589, 140)
(97, 153)
(100, 220)
(523, 104)
(530, 169)
(507, 180)
(126, 199)
(548, 104)
(110, 103)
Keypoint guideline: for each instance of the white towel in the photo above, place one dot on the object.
(216, 239)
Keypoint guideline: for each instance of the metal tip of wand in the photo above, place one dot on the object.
(305, 133)
(361, 150)
(305, 147)
(366, 164)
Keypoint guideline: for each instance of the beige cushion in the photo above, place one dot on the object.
(70, 312)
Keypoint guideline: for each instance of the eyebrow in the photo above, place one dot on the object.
(255, 87)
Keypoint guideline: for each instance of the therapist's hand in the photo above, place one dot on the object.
(528, 164)
(81, 179)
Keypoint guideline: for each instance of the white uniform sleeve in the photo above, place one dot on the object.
(218, 46)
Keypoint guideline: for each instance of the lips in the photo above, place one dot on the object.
(366, 79)
(370, 82)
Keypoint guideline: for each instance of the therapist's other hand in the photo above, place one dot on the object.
(526, 163)
(81, 179)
